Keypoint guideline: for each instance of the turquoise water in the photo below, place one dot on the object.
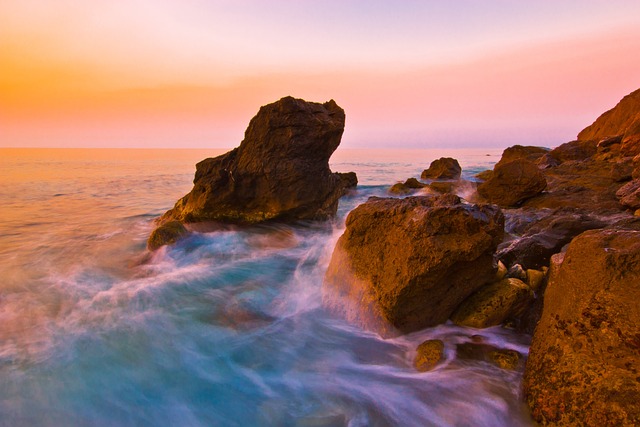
(225, 328)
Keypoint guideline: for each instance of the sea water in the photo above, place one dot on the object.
(225, 328)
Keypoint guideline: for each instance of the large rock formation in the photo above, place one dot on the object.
(623, 119)
(512, 183)
(406, 264)
(280, 171)
(583, 363)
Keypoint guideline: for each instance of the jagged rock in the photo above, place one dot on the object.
(428, 355)
(166, 234)
(443, 168)
(583, 362)
(406, 264)
(493, 304)
(545, 238)
(513, 182)
(280, 171)
(629, 194)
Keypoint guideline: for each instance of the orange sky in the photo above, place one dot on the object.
(192, 73)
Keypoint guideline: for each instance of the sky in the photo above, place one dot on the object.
(192, 73)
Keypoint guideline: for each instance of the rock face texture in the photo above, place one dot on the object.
(443, 168)
(512, 183)
(583, 363)
(406, 264)
(623, 119)
(280, 171)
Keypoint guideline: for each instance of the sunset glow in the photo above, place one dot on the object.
(418, 73)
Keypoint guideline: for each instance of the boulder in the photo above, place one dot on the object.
(513, 182)
(629, 194)
(408, 186)
(280, 171)
(583, 362)
(428, 355)
(406, 264)
(166, 234)
(526, 152)
(443, 168)
(546, 237)
(493, 304)
(574, 150)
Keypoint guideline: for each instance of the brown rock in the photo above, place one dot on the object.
(408, 186)
(493, 304)
(574, 150)
(429, 354)
(406, 264)
(620, 120)
(443, 168)
(513, 182)
(583, 362)
(485, 175)
(166, 234)
(629, 194)
(502, 358)
(517, 152)
(280, 171)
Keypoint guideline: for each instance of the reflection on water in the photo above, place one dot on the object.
(225, 328)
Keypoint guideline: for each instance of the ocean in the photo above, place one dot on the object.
(225, 328)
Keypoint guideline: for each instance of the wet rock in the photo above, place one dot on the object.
(502, 358)
(517, 272)
(280, 171)
(493, 304)
(429, 354)
(167, 234)
(443, 168)
(536, 278)
(629, 194)
(546, 237)
(408, 186)
(461, 186)
(406, 264)
(512, 183)
(582, 367)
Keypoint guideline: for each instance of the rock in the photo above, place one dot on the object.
(493, 304)
(620, 120)
(517, 272)
(406, 264)
(485, 175)
(583, 362)
(546, 237)
(629, 194)
(280, 171)
(461, 186)
(502, 358)
(517, 152)
(443, 168)
(574, 150)
(502, 271)
(513, 182)
(429, 354)
(166, 234)
(408, 186)
(536, 278)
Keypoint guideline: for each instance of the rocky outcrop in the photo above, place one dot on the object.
(280, 171)
(410, 185)
(406, 264)
(582, 367)
(443, 168)
(522, 152)
(622, 120)
(513, 182)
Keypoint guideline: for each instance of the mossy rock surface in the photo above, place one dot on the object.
(167, 234)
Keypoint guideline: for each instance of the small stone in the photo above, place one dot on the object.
(505, 359)
(429, 354)
(517, 272)
(535, 278)
(502, 271)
